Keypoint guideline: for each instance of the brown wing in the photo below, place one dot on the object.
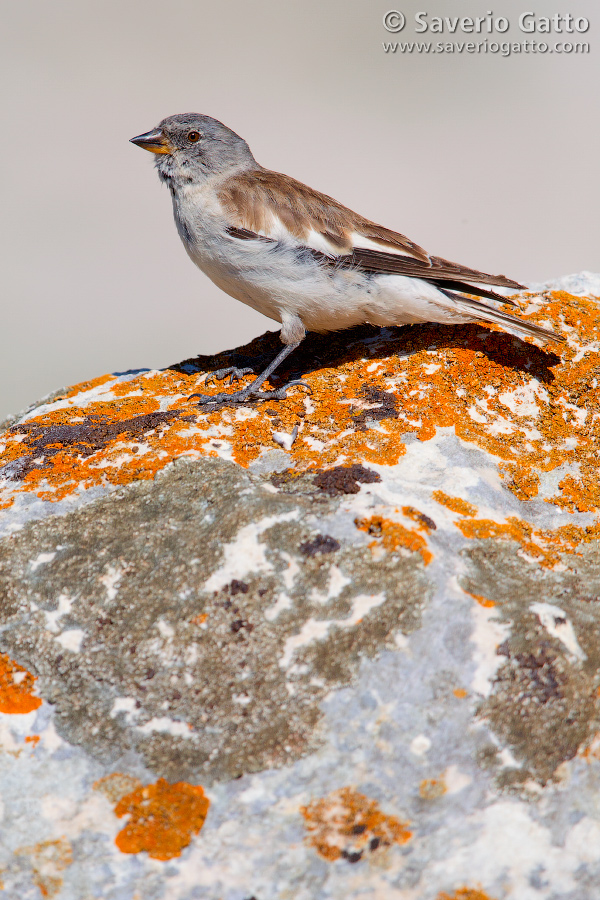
(253, 200)
(438, 268)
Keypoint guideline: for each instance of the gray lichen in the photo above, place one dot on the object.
(544, 703)
(138, 655)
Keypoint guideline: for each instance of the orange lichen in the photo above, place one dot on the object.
(346, 823)
(32, 739)
(483, 601)
(48, 860)
(577, 495)
(432, 788)
(464, 894)
(543, 545)
(460, 693)
(164, 817)
(395, 536)
(524, 483)
(16, 688)
(117, 785)
(456, 504)
(200, 619)
(531, 409)
(84, 386)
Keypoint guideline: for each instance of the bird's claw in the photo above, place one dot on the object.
(234, 373)
(212, 399)
(248, 395)
(281, 393)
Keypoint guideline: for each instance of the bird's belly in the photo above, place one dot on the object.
(278, 281)
(240, 288)
(232, 277)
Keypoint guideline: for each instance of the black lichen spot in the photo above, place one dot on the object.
(540, 681)
(345, 479)
(322, 543)
(387, 409)
(352, 857)
(374, 843)
(420, 517)
(238, 587)
(241, 623)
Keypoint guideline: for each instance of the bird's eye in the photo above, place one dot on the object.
(193, 136)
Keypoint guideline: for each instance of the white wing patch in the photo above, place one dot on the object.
(317, 241)
(360, 242)
(356, 241)
(276, 230)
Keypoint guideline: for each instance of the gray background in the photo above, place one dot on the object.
(485, 160)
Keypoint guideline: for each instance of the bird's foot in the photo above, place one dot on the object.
(247, 394)
(234, 373)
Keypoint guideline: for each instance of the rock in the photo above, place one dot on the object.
(344, 645)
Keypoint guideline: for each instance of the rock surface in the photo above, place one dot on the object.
(344, 645)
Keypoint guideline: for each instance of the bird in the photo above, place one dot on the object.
(302, 258)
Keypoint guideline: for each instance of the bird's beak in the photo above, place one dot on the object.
(154, 141)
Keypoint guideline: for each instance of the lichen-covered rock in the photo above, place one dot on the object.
(343, 645)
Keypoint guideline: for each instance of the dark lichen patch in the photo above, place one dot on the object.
(544, 702)
(551, 707)
(384, 406)
(345, 479)
(421, 518)
(86, 438)
(324, 483)
(203, 680)
(322, 543)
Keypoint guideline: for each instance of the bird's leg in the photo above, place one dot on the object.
(253, 391)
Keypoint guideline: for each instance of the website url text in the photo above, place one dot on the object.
(503, 48)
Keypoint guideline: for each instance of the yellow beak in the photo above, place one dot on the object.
(154, 141)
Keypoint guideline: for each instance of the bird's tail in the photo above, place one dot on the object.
(477, 310)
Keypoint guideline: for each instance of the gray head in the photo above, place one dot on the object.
(191, 147)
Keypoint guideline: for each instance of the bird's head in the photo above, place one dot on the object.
(190, 148)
